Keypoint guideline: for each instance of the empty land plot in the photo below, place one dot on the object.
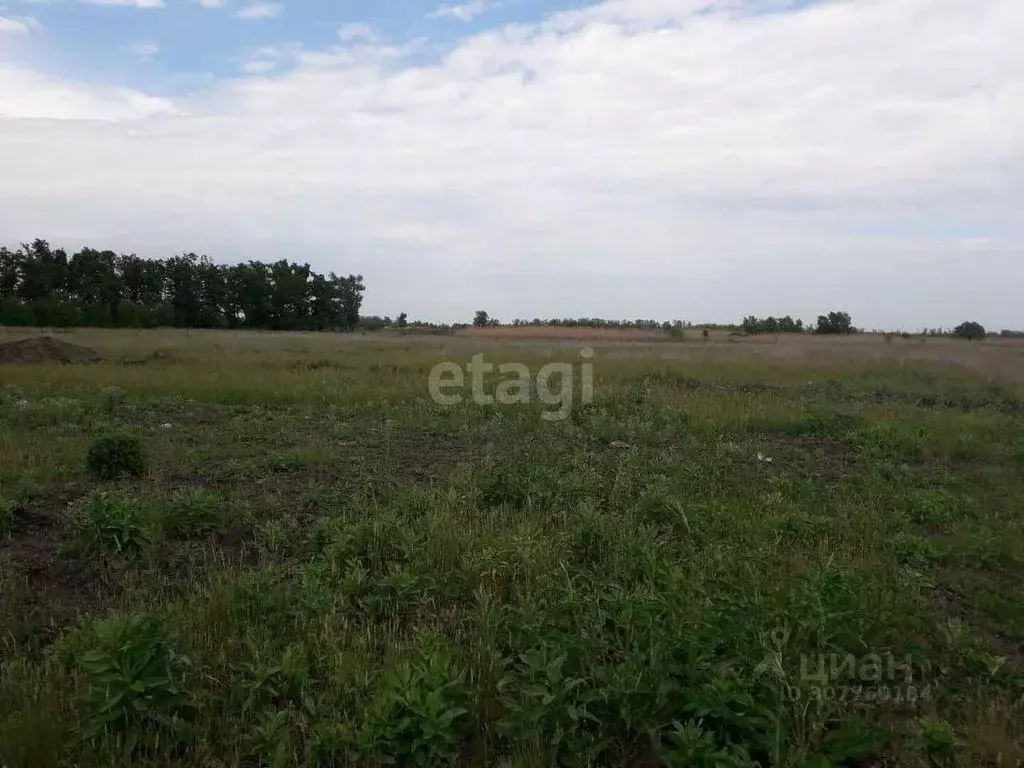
(798, 551)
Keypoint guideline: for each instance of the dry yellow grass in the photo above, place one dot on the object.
(997, 359)
(559, 333)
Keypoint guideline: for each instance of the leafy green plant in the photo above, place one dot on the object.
(133, 680)
(264, 683)
(115, 456)
(419, 715)
(936, 738)
(691, 746)
(112, 524)
(333, 744)
(547, 696)
(270, 739)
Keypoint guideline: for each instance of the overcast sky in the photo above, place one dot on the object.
(692, 159)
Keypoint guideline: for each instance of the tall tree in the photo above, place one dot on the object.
(42, 286)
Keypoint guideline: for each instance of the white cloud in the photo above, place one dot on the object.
(260, 11)
(464, 11)
(258, 66)
(20, 26)
(131, 3)
(26, 96)
(213, 3)
(666, 158)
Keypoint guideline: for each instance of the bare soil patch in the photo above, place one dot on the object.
(812, 456)
(45, 349)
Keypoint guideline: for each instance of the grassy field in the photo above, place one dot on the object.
(795, 552)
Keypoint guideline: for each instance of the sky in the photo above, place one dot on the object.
(692, 159)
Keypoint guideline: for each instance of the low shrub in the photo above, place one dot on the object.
(115, 456)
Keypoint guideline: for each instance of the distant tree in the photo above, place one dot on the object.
(403, 320)
(834, 323)
(788, 325)
(481, 318)
(971, 330)
(785, 324)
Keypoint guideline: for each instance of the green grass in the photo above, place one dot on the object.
(721, 561)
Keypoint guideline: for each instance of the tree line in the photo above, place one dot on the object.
(834, 323)
(483, 319)
(44, 286)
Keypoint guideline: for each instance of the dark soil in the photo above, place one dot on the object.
(45, 349)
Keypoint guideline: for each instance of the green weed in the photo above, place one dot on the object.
(115, 456)
(107, 523)
(133, 683)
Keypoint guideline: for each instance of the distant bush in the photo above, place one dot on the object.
(675, 330)
(372, 323)
(971, 331)
(115, 456)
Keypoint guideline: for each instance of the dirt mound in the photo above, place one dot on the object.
(45, 349)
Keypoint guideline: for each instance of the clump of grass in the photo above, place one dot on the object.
(6, 517)
(192, 513)
(114, 456)
(34, 723)
(110, 524)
